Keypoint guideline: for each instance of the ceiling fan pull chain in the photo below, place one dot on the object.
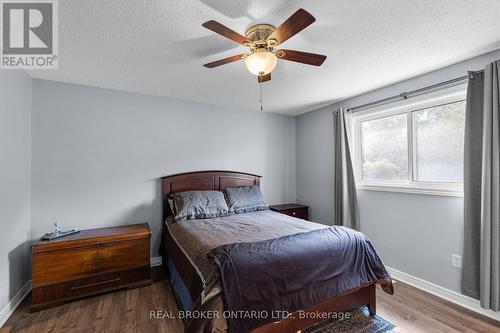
(260, 97)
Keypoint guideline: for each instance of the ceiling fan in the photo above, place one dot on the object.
(262, 39)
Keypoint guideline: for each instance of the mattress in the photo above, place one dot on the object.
(194, 276)
(196, 238)
(187, 244)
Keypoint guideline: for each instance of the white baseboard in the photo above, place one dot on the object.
(447, 294)
(14, 303)
(156, 261)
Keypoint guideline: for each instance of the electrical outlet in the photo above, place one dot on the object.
(456, 261)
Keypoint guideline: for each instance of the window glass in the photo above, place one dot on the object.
(439, 143)
(384, 150)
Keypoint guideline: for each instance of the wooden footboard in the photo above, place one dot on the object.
(304, 318)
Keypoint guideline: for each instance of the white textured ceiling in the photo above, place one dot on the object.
(158, 47)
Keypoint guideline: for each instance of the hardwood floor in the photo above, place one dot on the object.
(410, 309)
(416, 311)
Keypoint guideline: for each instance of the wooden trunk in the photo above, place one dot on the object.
(88, 263)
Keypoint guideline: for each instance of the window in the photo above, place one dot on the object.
(415, 147)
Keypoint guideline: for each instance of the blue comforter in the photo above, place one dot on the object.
(289, 273)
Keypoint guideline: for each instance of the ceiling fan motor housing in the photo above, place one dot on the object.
(258, 35)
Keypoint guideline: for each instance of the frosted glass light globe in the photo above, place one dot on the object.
(261, 62)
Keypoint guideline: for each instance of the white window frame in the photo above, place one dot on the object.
(427, 100)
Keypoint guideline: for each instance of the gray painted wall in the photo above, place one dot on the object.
(97, 153)
(414, 233)
(15, 150)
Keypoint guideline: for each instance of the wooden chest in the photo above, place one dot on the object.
(89, 262)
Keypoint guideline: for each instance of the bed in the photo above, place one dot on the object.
(195, 278)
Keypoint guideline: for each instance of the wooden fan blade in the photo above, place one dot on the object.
(226, 32)
(303, 57)
(264, 78)
(223, 61)
(300, 20)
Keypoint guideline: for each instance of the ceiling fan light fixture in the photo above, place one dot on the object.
(261, 62)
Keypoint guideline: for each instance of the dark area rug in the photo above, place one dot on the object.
(357, 321)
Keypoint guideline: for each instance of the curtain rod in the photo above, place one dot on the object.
(408, 94)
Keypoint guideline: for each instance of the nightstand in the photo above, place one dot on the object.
(295, 210)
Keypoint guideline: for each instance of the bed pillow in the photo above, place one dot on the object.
(244, 199)
(192, 205)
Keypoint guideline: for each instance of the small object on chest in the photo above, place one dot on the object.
(58, 232)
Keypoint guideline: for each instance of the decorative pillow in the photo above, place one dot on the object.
(244, 199)
(193, 205)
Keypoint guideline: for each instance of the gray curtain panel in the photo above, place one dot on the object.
(345, 204)
(481, 258)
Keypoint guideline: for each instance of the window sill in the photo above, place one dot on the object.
(403, 188)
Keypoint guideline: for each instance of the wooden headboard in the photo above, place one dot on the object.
(203, 180)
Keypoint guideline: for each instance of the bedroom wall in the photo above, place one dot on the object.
(15, 150)
(416, 234)
(98, 153)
